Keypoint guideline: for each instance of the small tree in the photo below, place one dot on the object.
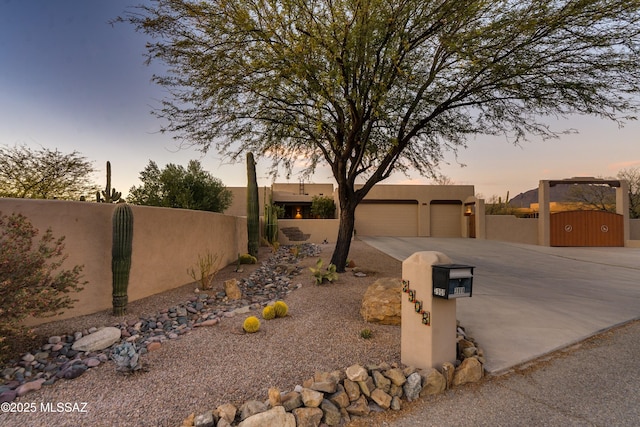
(31, 280)
(632, 176)
(44, 174)
(177, 187)
(323, 207)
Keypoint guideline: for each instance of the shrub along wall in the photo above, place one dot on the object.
(165, 243)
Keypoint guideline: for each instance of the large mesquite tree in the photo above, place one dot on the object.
(370, 87)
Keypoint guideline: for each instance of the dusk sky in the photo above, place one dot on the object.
(69, 80)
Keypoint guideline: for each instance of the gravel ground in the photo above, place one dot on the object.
(214, 365)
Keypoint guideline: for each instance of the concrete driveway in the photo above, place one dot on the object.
(531, 300)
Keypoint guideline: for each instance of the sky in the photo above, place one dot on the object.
(71, 81)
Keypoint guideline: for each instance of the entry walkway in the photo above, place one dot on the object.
(531, 300)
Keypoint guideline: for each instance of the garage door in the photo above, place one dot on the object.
(387, 218)
(446, 219)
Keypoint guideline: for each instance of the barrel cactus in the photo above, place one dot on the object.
(268, 312)
(251, 324)
(281, 308)
(121, 257)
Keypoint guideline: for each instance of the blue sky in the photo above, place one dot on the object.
(71, 81)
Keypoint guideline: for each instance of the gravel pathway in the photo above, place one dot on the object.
(210, 366)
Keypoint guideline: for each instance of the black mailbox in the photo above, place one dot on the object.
(452, 280)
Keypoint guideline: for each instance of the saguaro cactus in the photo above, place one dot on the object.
(253, 215)
(121, 257)
(270, 223)
(109, 195)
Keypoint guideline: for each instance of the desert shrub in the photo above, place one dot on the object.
(323, 207)
(31, 280)
(247, 259)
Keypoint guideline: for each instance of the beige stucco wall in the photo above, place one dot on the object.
(509, 228)
(165, 243)
(318, 230)
(634, 227)
(239, 202)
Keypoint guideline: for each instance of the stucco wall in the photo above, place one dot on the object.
(165, 243)
(634, 227)
(509, 228)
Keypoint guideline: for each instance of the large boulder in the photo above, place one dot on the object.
(382, 302)
(98, 340)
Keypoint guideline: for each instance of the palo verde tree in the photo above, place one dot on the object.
(44, 174)
(371, 87)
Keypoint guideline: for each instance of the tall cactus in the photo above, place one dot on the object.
(253, 215)
(270, 223)
(121, 257)
(109, 195)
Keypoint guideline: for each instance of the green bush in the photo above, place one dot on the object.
(31, 280)
(323, 207)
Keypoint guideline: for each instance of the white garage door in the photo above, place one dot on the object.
(387, 219)
(446, 220)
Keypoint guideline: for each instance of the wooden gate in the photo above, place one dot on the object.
(586, 228)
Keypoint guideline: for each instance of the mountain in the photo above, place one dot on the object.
(557, 193)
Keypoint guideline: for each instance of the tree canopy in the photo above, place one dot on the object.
(177, 187)
(370, 87)
(44, 174)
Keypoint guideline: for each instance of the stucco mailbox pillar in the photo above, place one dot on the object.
(428, 336)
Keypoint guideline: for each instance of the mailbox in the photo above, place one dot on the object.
(452, 280)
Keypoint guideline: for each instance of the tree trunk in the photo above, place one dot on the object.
(345, 233)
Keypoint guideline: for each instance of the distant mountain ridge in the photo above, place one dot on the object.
(557, 193)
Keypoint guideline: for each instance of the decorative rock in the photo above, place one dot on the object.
(227, 412)
(276, 417)
(291, 401)
(331, 413)
(92, 362)
(366, 387)
(223, 423)
(153, 346)
(308, 417)
(433, 382)
(381, 381)
(251, 408)
(98, 340)
(448, 371)
(469, 371)
(359, 407)
(30, 386)
(209, 322)
(469, 351)
(352, 389)
(74, 371)
(356, 373)
(232, 290)
(412, 387)
(311, 398)
(396, 390)
(396, 403)
(205, 420)
(8, 396)
(396, 376)
(340, 398)
(275, 398)
(381, 398)
(55, 339)
(382, 302)
(28, 358)
(324, 386)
